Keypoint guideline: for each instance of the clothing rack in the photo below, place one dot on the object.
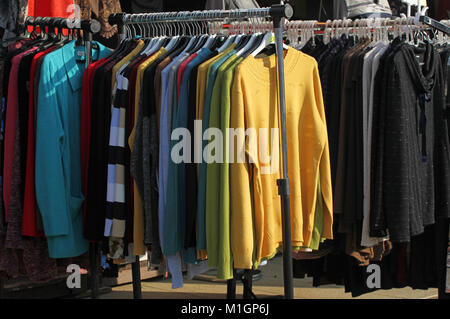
(371, 24)
(277, 13)
(435, 24)
(88, 27)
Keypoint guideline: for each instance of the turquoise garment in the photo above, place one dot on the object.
(201, 196)
(58, 170)
(172, 235)
(176, 201)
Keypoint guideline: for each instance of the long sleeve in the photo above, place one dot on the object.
(256, 223)
(324, 166)
(242, 237)
(116, 128)
(50, 141)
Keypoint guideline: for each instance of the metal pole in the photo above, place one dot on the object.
(88, 45)
(94, 248)
(283, 183)
(93, 254)
(247, 281)
(231, 287)
(2, 288)
(136, 273)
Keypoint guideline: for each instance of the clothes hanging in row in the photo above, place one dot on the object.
(41, 216)
(146, 188)
(389, 150)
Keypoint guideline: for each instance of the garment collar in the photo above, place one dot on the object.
(423, 75)
(75, 69)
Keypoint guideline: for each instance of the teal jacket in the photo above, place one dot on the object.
(58, 164)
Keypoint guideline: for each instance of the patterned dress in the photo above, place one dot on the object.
(100, 10)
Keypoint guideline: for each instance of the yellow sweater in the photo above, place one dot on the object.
(256, 216)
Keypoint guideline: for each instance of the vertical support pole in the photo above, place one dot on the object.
(94, 263)
(231, 286)
(443, 230)
(247, 280)
(121, 30)
(136, 273)
(88, 45)
(2, 288)
(94, 248)
(283, 183)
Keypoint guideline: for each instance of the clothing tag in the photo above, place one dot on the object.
(80, 54)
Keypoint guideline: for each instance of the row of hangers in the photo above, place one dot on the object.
(377, 29)
(51, 34)
(50, 29)
(201, 34)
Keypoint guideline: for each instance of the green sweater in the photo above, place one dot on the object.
(217, 178)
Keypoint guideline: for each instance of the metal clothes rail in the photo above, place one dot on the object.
(276, 13)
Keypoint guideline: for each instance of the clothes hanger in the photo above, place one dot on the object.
(210, 38)
(159, 39)
(268, 39)
(127, 43)
(192, 40)
(243, 40)
(229, 41)
(162, 35)
(228, 38)
(219, 39)
(174, 40)
(249, 45)
(149, 43)
(326, 33)
(201, 38)
(259, 31)
(80, 40)
(55, 39)
(303, 29)
(239, 35)
(182, 42)
(253, 44)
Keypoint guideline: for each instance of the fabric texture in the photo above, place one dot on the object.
(100, 10)
(58, 174)
(263, 235)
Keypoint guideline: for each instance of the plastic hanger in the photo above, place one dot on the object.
(174, 39)
(211, 39)
(172, 43)
(269, 38)
(201, 38)
(227, 43)
(252, 39)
